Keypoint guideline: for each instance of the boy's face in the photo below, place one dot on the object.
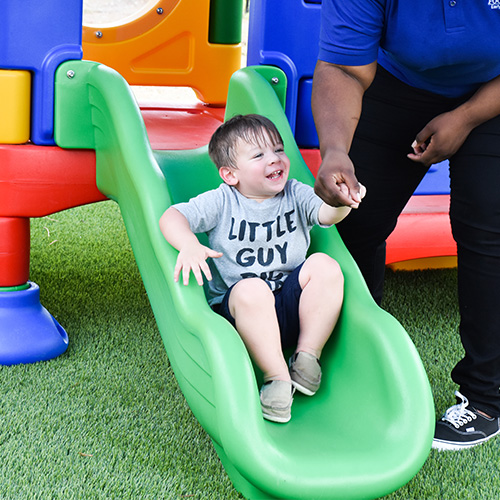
(262, 170)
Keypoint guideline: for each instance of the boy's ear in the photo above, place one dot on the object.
(228, 176)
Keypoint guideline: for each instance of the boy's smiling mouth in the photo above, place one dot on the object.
(275, 175)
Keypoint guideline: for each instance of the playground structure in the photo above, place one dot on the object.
(32, 47)
(90, 142)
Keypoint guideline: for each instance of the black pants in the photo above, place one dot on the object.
(393, 114)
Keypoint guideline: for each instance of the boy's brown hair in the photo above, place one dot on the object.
(253, 129)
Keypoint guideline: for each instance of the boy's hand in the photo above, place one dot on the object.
(194, 257)
(329, 215)
(345, 190)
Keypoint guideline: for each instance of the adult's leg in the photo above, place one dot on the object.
(475, 218)
(393, 113)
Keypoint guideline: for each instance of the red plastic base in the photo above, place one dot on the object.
(423, 230)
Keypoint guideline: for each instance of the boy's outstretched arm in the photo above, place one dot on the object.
(329, 215)
(192, 254)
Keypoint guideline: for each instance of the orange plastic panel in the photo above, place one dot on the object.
(15, 96)
(167, 44)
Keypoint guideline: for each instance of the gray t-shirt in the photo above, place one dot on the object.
(266, 240)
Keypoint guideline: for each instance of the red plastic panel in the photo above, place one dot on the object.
(40, 180)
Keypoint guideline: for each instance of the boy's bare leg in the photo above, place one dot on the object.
(320, 303)
(251, 304)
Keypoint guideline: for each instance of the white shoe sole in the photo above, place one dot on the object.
(302, 389)
(440, 445)
(277, 418)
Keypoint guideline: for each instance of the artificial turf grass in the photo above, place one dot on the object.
(107, 419)
(425, 302)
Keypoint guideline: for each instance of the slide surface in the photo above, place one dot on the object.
(369, 428)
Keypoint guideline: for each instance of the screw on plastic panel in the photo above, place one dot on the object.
(70, 74)
(98, 34)
(275, 80)
(159, 10)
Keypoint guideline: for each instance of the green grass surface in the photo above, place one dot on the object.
(106, 420)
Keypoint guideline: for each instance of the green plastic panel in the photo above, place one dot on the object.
(369, 429)
(225, 21)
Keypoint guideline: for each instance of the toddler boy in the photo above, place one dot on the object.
(257, 222)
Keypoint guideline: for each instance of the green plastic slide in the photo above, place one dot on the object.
(369, 429)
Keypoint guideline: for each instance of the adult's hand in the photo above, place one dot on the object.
(444, 135)
(336, 182)
(440, 138)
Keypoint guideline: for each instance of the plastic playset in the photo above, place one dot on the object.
(72, 133)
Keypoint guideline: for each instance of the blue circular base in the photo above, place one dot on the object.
(28, 332)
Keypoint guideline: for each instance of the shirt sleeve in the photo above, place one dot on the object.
(202, 211)
(308, 202)
(351, 31)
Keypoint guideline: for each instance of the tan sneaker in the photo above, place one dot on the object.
(305, 372)
(276, 397)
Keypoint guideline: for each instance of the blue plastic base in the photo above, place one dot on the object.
(28, 332)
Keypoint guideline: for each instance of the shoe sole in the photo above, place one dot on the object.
(302, 389)
(277, 418)
(298, 385)
(440, 445)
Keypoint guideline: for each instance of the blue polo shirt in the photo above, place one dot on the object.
(449, 47)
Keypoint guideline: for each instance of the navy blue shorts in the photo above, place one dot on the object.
(287, 309)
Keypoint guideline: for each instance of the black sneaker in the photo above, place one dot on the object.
(462, 426)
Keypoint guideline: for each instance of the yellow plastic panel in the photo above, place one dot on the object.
(166, 44)
(15, 97)
(425, 263)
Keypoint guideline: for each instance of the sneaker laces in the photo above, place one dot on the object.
(458, 415)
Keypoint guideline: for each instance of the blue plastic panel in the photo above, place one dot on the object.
(436, 181)
(305, 129)
(285, 33)
(37, 36)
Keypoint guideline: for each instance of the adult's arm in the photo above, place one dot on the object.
(444, 135)
(336, 103)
